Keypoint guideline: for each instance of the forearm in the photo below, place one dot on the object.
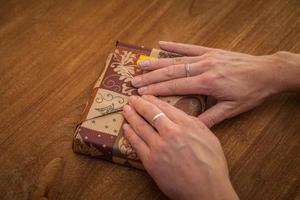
(286, 71)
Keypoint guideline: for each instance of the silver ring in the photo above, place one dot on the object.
(187, 69)
(157, 116)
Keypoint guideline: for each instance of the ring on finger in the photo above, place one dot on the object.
(161, 114)
(187, 69)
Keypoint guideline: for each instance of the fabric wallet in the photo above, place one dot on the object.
(100, 133)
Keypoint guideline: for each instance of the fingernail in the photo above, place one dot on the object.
(136, 80)
(142, 90)
(126, 108)
(145, 63)
(125, 126)
(162, 42)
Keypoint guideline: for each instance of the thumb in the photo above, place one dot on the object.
(216, 114)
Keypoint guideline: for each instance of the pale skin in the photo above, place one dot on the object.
(179, 151)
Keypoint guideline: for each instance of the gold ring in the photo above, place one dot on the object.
(157, 116)
(187, 69)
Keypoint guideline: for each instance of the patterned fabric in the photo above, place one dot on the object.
(100, 133)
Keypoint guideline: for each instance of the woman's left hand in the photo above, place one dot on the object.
(238, 81)
(181, 154)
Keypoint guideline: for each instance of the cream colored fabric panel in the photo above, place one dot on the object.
(154, 53)
(106, 102)
(110, 124)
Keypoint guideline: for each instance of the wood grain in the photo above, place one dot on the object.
(51, 52)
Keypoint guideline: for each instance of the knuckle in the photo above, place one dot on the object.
(211, 61)
(171, 129)
(206, 84)
(203, 81)
(129, 135)
(174, 138)
(211, 78)
(212, 52)
(144, 110)
(209, 54)
(164, 105)
(280, 53)
(171, 85)
(217, 75)
(133, 141)
(139, 105)
(136, 101)
(145, 78)
(210, 58)
(169, 71)
(190, 120)
(140, 128)
(161, 149)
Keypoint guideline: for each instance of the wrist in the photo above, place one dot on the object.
(286, 71)
(218, 188)
(224, 190)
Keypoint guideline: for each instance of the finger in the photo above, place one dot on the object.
(184, 49)
(181, 86)
(216, 114)
(175, 114)
(140, 126)
(164, 62)
(148, 111)
(169, 73)
(136, 142)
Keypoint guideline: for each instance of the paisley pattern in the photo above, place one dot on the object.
(109, 98)
(110, 83)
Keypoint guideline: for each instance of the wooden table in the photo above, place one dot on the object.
(51, 52)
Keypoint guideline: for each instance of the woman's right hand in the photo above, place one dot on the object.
(238, 81)
(181, 154)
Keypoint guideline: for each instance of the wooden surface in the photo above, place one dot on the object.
(51, 52)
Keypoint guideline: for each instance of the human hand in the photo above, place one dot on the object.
(238, 81)
(181, 154)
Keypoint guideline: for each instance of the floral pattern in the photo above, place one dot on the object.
(115, 86)
(80, 146)
(127, 149)
(124, 65)
(119, 100)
